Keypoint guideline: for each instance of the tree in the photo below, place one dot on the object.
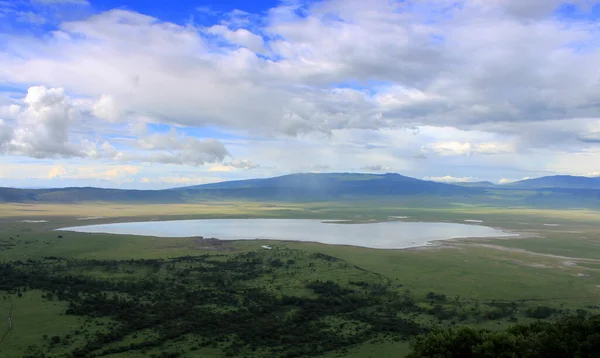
(571, 337)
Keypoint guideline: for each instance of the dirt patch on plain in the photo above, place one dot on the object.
(529, 264)
(213, 244)
(569, 260)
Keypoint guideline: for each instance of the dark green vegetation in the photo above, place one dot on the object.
(571, 337)
(270, 303)
(548, 192)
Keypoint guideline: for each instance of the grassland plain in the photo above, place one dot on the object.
(556, 263)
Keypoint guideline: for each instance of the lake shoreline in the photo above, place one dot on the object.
(386, 235)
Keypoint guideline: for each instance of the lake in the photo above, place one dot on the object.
(382, 235)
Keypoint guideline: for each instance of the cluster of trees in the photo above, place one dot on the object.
(220, 299)
(229, 302)
(7, 244)
(569, 337)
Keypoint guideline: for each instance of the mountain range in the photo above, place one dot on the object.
(557, 181)
(552, 191)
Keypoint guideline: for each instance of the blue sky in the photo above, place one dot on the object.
(155, 94)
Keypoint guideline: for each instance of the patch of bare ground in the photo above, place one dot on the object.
(457, 243)
(571, 260)
(581, 275)
(212, 244)
(529, 264)
(569, 263)
(434, 246)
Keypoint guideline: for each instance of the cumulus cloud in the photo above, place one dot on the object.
(67, 170)
(451, 179)
(233, 166)
(240, 37)
(57, 171)
(375, 168)
(243, 164)
(528, 75)
(180, 180)
(220, 168)
(107, 108)
(5, 136)
(450, 148)
(528, 10)
(480, 82)
(44, 127)
(508, 181)
(9, 111)
(117, 173)
(173, 148)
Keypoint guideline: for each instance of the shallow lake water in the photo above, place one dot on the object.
(381, 235)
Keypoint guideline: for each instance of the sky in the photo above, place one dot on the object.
(158, 94)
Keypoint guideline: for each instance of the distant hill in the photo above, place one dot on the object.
(548, 192)
(557, 181)
(74, 195)
(295, 187)
(332, 186)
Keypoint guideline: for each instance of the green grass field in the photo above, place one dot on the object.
(555, 263)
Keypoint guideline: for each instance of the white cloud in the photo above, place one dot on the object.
(5, 136)
(9, 111)
(451, 179)
(375, 168)
(220, 168)
(42, 126)
(57, 171)
(121, 172)
(243, 164)
(176, 74)
(45, 127)
(508, 181)
(499, 87)
(240, 37)
(117, 173)
(449, 148)
(182, 180)
(107, 108)
(71, 171)
(495, 148)
(233, 166)
(172, 148)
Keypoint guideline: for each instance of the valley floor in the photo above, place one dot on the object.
(65, 291)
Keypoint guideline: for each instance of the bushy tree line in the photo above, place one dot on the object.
(233, 303)
(569, 337)
(219, 300)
